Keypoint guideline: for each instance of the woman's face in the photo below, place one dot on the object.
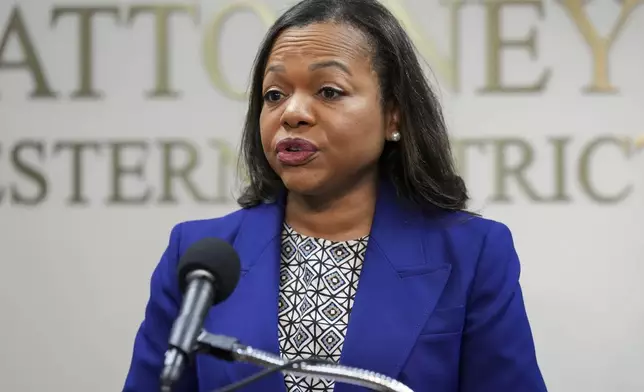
(322, 125)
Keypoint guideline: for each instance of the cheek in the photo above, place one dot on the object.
(267, 130)
(363, 136)
(266, 138)
(372, 147)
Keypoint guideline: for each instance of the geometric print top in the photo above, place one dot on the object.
(318, 284)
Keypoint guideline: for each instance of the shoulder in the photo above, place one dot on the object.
(471, 240)
(224, 227)
(472, 228)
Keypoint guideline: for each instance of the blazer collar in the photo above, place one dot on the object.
(398, 289)
(394, 218)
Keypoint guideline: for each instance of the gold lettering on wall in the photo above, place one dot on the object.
(599, 47)
(461, 149)
(496, 44)
(624, 145)
(560, 145)
(212, 46)
(227, 157)
(77, 151)
(638, 142)
(85, 43)
(162, 14)
(121, 171)
(177, 171)
(446, 66)
(30, 61)
(173, 173)
(29, 171)
(505, 171)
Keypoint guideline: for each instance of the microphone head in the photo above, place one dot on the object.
(216, 257)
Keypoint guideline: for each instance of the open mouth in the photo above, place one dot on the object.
(295, 152)
(295, 145)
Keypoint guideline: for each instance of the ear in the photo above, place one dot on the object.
(392, 121)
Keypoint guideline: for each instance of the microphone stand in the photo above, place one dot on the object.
(230, 349)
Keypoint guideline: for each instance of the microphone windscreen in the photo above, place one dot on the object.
(216, 257)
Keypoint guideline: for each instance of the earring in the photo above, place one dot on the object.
(395, 136)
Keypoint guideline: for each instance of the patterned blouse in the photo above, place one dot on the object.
(318, 283)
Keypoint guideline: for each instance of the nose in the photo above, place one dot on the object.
(297, 112)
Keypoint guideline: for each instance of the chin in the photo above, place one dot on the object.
(304, 183)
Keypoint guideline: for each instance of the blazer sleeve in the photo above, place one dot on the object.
(151, 341)
(498, 352)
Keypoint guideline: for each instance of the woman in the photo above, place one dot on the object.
(354, 238)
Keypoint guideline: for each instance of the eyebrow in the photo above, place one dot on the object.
(332, 64)
(312, 67)
(274, 68)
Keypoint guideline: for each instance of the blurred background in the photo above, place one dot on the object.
(119, 119)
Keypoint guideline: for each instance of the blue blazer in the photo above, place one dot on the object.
(438, 307)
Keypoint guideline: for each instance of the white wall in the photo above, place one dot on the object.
(74, 277)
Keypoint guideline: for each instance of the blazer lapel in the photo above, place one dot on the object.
(398, 289)
(250, 314)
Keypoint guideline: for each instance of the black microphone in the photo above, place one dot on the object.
(208, 273)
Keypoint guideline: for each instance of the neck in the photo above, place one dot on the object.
(340, 217)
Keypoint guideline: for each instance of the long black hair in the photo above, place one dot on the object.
(420, 165)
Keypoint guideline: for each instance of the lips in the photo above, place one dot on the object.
(295, 152)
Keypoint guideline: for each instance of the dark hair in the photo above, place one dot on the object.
(420, 165)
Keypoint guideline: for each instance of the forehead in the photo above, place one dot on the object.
(321, 40)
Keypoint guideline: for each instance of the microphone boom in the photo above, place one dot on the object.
(230, 349)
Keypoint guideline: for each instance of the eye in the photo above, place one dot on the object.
(272, 96)
(330, 93)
